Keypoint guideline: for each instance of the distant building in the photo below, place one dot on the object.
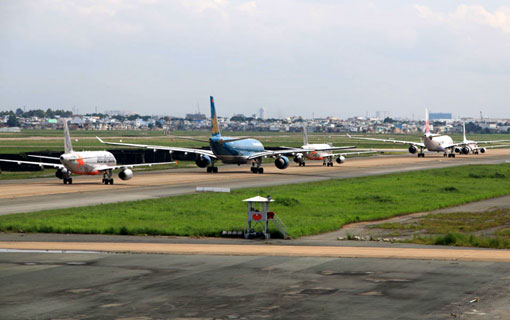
(440, 116)
(195, 116)
(262, 113)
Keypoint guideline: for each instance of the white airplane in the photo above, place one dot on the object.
(322, 151)
(467, 146)
(431, 142)
(85, 163)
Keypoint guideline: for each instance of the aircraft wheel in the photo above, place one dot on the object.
(65, 180)
(209, 170)
(215, 169)
(261, 170)
(304, 163)
(324, 163)
(111, 181)
(70, 180)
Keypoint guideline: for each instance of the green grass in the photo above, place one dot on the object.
(306, 209)
(464, 240)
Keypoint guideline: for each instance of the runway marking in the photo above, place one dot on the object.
(462, 254)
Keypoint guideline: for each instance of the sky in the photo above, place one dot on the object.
(322, 58)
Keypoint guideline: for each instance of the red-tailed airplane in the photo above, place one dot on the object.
(85, 163)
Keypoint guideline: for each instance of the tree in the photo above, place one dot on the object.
(13, 120)
(19, 112)
(388, 120)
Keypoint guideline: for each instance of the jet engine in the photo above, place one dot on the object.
(298, 158)
(465, 150)
(340, 160)
(61, 173)
(458, 150)
(126, 174)
(413, 149)
(281, 162)
(203, 161)
(482, 150)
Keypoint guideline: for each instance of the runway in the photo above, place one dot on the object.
(241, 279)
(28, 195)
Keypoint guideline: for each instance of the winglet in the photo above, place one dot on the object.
(100, 140)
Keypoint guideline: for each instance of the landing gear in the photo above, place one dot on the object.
(445, 154)
(257, 170)
(256, 166)
(421, 154)
(108, 177)
(302, 163)
(451, 155)
(68, 180)
(212, 169)
(329, 163)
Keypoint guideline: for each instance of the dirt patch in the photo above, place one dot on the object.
(368, 230)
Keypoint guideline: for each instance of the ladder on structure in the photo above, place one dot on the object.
(281, 226)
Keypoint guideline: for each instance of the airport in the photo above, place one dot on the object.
(254, 160)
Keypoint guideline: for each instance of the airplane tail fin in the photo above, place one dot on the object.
(68, 147)
(464, 131)
(305, 138)
(215, 129)
(427, 128)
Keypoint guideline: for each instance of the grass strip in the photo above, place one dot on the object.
(306, 209)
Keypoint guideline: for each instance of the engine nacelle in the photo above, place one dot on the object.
(465, 150)
(126, 174)
(203, 161)
(458, 150)
(298, 158)
(61, 173)
(281, 162)
(340, 160)
(413, 149)
(482, 150)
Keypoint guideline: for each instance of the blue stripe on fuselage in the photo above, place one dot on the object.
(235, 151)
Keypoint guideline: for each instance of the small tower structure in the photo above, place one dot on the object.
(259, 215)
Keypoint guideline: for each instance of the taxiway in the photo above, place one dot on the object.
(18, 196)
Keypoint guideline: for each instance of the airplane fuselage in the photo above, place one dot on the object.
(234, 152)
(87, 162)
(316, 155)
(436, 143)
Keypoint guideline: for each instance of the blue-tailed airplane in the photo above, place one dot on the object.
(230, 150)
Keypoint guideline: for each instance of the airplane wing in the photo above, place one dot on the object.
(129, 166)
(420, 144)
(147, 146)
(40, 164)
(347, 153)
(273, 153)
(490, 141)
(43, 157)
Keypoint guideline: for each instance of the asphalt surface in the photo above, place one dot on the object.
(18, 196)
(144, 286)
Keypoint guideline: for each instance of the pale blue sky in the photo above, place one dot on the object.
(339, 58)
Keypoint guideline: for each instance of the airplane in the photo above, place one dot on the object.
(322, 151)
(85, 163)
(230, 150)
(467, 146)
(431, 142)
